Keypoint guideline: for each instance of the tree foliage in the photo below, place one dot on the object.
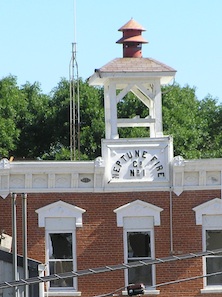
(34, 125)
(91, 121)
(195, 125)
(11, 104)
(35, 122)
(180, 111)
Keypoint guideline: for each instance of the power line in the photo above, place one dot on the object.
(111, 293)
(187, 279)
(38, 279)
(166, 283)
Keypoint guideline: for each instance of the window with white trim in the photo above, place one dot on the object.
(209, 215)
(61, 252)
(60, 220)
(61, 257)
(138, 219)
(138, 246)
(213, 263)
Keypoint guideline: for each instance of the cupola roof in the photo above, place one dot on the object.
(132, 64)
(132, 25)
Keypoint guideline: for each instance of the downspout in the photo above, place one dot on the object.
(221, 185)
(24, 227)
(171, 222)
(171, 209)
(14, 242)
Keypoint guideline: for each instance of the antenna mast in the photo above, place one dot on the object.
(74, 100)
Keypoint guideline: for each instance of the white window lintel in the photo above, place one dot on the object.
(60, 209)
(212, 207)
(138, 208)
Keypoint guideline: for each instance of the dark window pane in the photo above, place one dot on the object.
(140, 275)
(138, 244)
(60, 267)
(61, 246)
(214, 264)
(213, 239)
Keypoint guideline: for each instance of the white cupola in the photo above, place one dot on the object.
(133, 73)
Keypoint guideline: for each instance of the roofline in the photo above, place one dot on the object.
(8, 257)
(99, 77)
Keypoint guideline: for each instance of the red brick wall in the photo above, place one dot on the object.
(100, 241)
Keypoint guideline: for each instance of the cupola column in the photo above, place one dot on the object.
(158, 110)
(110, 111)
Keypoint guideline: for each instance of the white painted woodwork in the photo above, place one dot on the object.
(94, 176)
(149, 214)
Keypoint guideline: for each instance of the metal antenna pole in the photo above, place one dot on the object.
(78, 110)
(77, 78)
(72, 106)
(74, 99)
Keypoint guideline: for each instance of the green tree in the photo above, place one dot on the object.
(195, 125)
(34, 125)
(210, 118)
(91, 121)
(24, 119)
(11, 105)
(34, 122)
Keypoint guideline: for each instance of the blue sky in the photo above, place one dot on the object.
(36, 38)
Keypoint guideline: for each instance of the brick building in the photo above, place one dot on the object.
(135, 202)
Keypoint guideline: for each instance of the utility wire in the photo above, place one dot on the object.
(91, 271)
(166, 283)
(187, 279)
(111, 293)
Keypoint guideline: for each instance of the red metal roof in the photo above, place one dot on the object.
(137, 39)
(132, 25)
